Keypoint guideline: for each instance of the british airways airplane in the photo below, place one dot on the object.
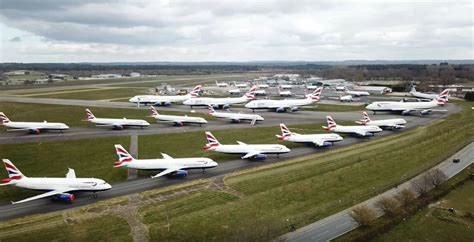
(32, 127)
(60, 189)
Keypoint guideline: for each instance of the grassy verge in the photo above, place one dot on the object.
(428, 218)
(73, 115)
(335, 108)
(103, 228)
(309, 188)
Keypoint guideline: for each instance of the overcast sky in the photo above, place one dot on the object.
(221, 30)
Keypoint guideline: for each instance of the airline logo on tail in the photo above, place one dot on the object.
(442, 98)
(13, 172)
(195, 91)
(331, 123)
(212, 142)
(211, 109)
(315, 96)
(89, 115)
(366, 118)
(153, 111)
(284, 131)
(3, 118)
(250, 94)
(123, 156)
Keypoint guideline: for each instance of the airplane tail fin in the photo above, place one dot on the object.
(285, 132)
(13, 173)
(123, 155)
(196, 90)
(443, 96)
(331, 123)
(212, 142)
(153, 111)
(211, 109)
(366, 118)
(316, 95)
(89, 115)
(3, 118)
(250, 94)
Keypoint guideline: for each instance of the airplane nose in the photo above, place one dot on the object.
(107, 186)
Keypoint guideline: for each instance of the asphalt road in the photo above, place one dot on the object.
(9, 211)
(340, 223)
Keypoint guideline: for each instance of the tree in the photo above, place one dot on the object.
(421, 185)
(390, 206)
(406, 197)
(363, 215)
(436, 177)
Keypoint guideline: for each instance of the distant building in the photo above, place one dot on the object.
(17, 73)
(134, 74)
(103, 76)
(373, 89)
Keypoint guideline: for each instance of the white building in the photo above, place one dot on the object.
(134, 74)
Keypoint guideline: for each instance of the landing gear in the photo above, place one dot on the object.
(278, 155)
(95, 195)
(203, 171)
(374, 112)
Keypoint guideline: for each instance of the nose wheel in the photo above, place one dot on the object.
(203, 171)
(95, 195)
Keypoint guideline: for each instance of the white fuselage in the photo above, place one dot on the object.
(246, 148)
(396, 122)
(159, 99)
(357, 93)
(180, 119)
(206, 101)
(241, 85)
(286, 86)
(312, 138)
(346, 98)
(119, 122)
(36, 125)
(274, 104)
(71, 184)
(162, 164)
(401, 106)
(361, 130)
(285, 93)
(263, 86)
(237, 116)
(260, 92)
(423, 95)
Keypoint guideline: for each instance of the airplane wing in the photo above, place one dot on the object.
(361, 133)
(43, 195)
(318, 142)
(166, 156)
(24, 129)
(241, 143)
(250, 154)
(166, 172)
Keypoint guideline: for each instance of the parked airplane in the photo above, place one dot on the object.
(248, 151)
(282, 105)
(356, 93)
(340, 88)
(346, 98)
(320, 140)
(364, 131)
(444, 93)
(260, 92)
(406, 108)
(234, 91)
(177, 120)
(235, 117)
(395, 123)
(286, 86)
(262, 86)
(165, 100)
(60, 189)
(32, 127)
(115, 123)
(222, 84)
(240, 85)
(173, 167)
(311, 87)
(221, 102)
(286, 93)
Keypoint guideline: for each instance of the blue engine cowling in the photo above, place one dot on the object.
(34, 131)
(166, 104)
(226, 106)
(260, 157)
(294, 109)
(215, 106)
(280, 110)
(327, 144)
(369, 135)
(425, 112)
(180, 173)
(64, 197)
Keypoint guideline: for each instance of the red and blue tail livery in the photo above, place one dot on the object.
(13, 172)
(3, 118)
(284, 131)
(89, 115)
(211, 141)
(331, 123)
(123, 155)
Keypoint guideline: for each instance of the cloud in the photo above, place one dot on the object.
(239, 30)
(15, 39)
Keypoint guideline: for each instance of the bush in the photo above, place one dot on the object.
(406, 197)
(363, 215)
(389, 206)
(469, 96)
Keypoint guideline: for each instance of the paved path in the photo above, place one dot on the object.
(133, 173)
(340, 223)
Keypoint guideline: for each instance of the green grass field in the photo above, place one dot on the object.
(435, 223)
(104, 228)
(74, 115)
(94, 94)
(309, 188)
(335, 108)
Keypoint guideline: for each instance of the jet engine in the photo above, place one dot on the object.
(294, 109)
(226, 106)
(64, 197)
(425, 112)
(260, 157)
(34, 131)
(280, 110)
(179, 173)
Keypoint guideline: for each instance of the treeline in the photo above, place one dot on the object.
(444, 73)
